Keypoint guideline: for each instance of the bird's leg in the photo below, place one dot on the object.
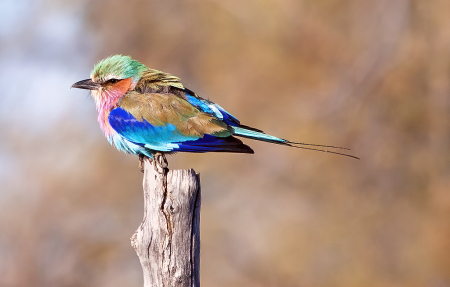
(141, 162)
(160, 162)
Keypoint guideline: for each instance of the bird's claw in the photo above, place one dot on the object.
(160, 162)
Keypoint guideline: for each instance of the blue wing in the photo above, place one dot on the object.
(167, 138)
(143, 133)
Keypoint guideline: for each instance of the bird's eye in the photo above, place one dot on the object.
(112, 81)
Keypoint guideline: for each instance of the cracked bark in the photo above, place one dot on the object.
(168, 240)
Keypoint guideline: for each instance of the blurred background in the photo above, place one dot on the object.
(371, 75)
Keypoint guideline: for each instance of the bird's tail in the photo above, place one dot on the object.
(252, 133)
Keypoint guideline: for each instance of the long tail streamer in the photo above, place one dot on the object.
(259, 135)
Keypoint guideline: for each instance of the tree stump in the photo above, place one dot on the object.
(168, 239)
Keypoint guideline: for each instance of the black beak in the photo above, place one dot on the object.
(87, 84)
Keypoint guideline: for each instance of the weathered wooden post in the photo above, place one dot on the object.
(168, 239)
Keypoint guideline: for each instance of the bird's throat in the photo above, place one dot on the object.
(107, 99)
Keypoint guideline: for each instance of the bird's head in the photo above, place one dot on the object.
(113, 77)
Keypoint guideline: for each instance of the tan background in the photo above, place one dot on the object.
(370, 75)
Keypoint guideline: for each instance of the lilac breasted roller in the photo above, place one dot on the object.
(144, 112)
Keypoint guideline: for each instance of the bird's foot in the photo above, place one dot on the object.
(141, 162)
(160, 162)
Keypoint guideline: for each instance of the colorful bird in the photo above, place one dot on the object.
(148, 112)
